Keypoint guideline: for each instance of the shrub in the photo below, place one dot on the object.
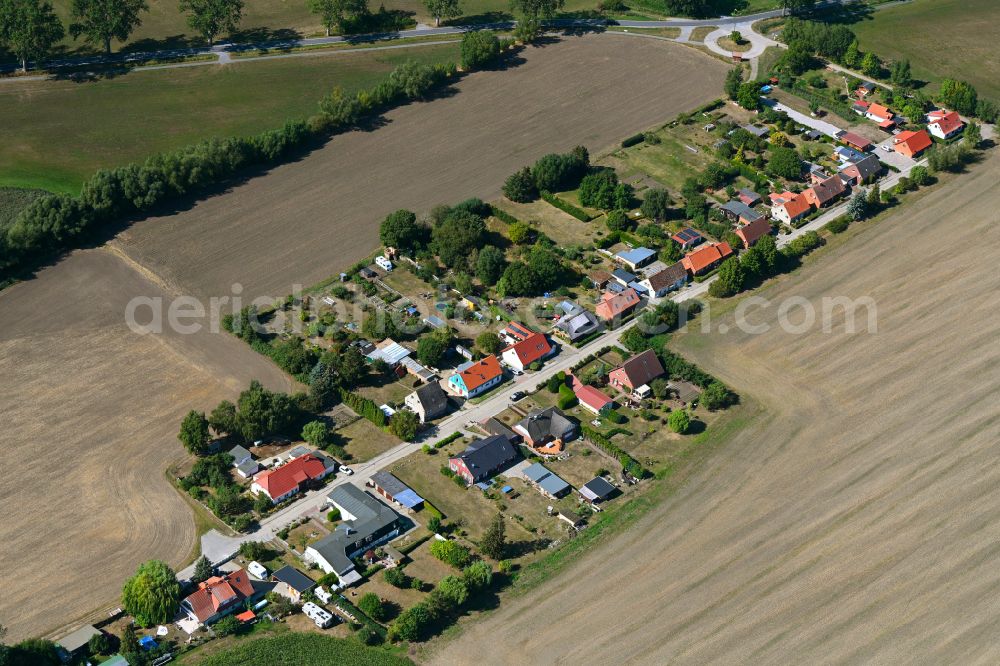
(478, 49)
(226, 626)
(633, 140)
(567, 398)
(451, 553)
(679, 421)
(372, 606)
(839, 225)
(565, 206)
(396, 578)
(333, 515)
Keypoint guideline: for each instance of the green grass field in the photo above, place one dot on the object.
(164, 26)
(54, 134)
(295, 649)
(942, 39)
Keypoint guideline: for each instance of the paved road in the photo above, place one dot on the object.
(220, 548)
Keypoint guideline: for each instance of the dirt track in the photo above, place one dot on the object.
(90, 418)
(307, 220)
(858, 521)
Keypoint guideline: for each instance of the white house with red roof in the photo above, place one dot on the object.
(285, 481)
(476, 377)
(944, 124)
(219, 596)
(522, 354)
(590, 397)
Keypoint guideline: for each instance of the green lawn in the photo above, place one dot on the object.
(942, 38)
(294, 649)
(54, 134)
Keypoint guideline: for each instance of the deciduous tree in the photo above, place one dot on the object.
(337, 13)
(213, 17)
(490, 265)
(404, 424)
(100, 21)
(29, 28)
(443, 9)
(152, 595)
(194, 432)
(679, 421)
(494, 541)
(400, 230)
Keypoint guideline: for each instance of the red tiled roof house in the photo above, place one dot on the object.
(285, 481)
(613, 305)
(477, 378)
(791, 209)
(219, 596)
(637, 371)
(911, 144)
(521, 354)
(707, 258)
(944, 124)
(753, 232)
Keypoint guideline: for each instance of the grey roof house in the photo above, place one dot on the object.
(597, 490)
(548, 483)
(670, 278)
(367, 523)
(240, 455)
(577, 324)
(545, 426)
(428, 402)
(484, 458)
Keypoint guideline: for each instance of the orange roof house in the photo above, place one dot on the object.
(285, 481)
(522, 354)
(912, 144)
(217, 596)
(706, 258)
(825, 191)
(879, 113)
(944, 124)
(617, 305)
(790, 210)
(754, 231)
(477, 378)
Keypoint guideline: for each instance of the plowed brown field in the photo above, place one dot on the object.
(307, 220)
(858, 519)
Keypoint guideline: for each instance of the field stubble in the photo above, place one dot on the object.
(857, 519)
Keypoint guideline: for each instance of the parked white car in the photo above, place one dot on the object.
(345, 470)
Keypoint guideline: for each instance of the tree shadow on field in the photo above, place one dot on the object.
(484, 18)
(842, 14)
(168, 43)
(272, 38)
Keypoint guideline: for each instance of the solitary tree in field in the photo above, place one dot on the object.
(494, 543)
(100, 21)
(443, 9)
(152, 595)
(336, 13)
(213, 17)
(29, 28)
(679, 421)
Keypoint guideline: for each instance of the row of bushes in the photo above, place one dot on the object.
(503, 215)
(363, 407)
(566, 207)
(58, 222)
(628, 463)
(633, 140)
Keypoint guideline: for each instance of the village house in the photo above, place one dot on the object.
(243, 461)
(515, 331)
(738, 211)
(636, 372)
(944, 124)
(865, 88)
(753, 232)
(879, 113)
(221, 595)
(659, 284)
(483, 459)
(688, 238)
(825, 192)
(613, 306)
(855, 141)
(575, 322)
(705, 259)
(394, 490)
(636, 258)
(863, 170)
(428, 402)
(292, 583)
(599, 278)
(477, 377)
(546, 482)
(590, 398)
(790, 209)
(494, 426)
(546, 431)
(292, 477)
(597, 490)
(623, 277)
(365, 524)
(748, 196)
(911, 144)
(860, 107)
(522, 354)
